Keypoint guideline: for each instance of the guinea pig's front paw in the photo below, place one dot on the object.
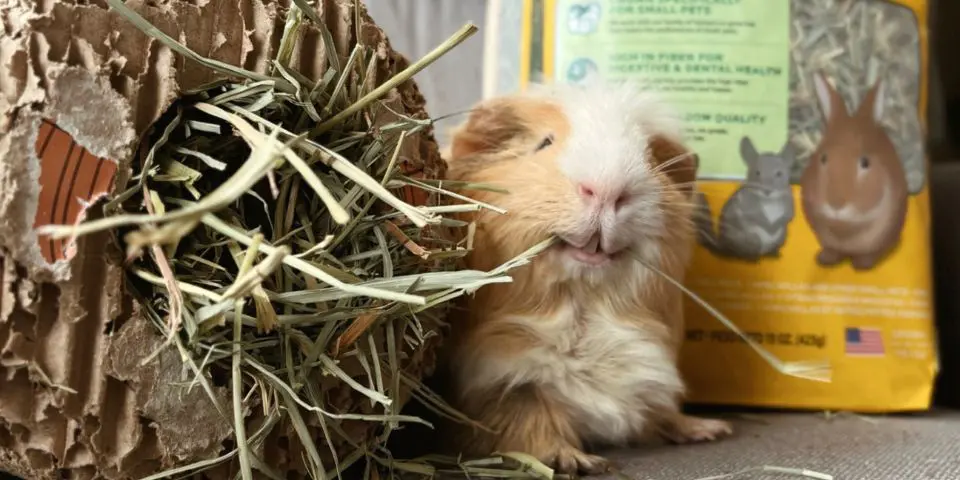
(572, 461)
(688, 429)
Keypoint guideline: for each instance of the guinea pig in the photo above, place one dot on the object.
(580, 350)
(854, 189)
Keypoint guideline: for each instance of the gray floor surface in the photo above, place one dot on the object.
(848, 447)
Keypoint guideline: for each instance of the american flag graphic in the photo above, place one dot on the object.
(864, 342)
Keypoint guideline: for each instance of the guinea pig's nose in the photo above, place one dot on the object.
(613, 199)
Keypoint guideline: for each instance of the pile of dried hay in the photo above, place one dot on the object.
(276, 242)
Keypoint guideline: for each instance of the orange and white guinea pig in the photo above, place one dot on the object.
(580, 350)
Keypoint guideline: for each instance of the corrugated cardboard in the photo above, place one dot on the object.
(80, 86)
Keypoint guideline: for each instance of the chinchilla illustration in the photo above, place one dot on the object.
(583, 19)
(854, 188)
(753, 221)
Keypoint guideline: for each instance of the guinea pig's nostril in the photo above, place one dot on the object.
(622, 200)
(585, 191)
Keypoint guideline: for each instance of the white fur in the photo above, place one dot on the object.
(610, 372)
(611, 125)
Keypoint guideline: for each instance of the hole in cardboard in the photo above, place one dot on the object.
(220, 377)
(202, 135)
(228, 445)
(40, 460)
(6, 437)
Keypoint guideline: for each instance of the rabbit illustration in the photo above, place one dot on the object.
(753, 221)
(854, 189)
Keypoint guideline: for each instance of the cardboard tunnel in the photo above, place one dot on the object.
(80, 87)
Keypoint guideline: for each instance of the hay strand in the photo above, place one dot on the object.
(815, 370)
(798, 472)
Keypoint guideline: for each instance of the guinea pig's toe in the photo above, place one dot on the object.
(573, 461)
(688, 429)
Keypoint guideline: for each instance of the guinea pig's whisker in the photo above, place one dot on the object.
(668, 203)
(691, 183)
(668, 190)
(683, 191)
(663, 173)
(673, 161)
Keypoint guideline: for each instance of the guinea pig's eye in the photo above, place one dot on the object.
(546, 142)
(823, 159)
(864, 163)
(779, 174)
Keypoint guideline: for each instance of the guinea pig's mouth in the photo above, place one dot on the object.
(589, 253)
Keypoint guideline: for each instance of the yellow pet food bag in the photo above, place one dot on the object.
(808, 118)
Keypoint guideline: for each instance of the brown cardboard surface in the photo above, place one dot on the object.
(79, 86)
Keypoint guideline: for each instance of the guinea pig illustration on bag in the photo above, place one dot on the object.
(753, 221)
(854, 189)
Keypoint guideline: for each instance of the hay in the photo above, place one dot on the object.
(797, 472)
(268, 245)
(813, 370)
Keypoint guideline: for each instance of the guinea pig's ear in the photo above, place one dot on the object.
(675, 160)
(491, 125)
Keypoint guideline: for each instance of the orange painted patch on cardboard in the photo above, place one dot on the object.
(413, 195)
(70, 177)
